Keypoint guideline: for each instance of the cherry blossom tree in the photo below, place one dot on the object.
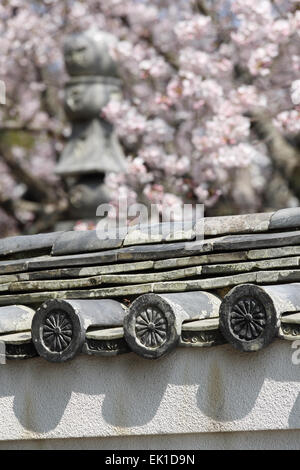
(210, 110)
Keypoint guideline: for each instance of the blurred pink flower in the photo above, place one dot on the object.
(295, 92)
(192, 28)
(261, 59)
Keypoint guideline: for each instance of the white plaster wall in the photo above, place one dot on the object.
(190, 399)
(261, 440)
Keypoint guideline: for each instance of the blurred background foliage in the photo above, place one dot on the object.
(210, 110)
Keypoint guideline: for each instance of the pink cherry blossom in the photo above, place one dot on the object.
(192, 28)
(288, 121)
(261, 59)
(295, 92)
(236, 156)
(189, 82)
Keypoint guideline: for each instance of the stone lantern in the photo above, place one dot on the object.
(93, 148)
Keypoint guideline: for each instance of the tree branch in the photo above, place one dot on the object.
(42, 191)
(285, 156)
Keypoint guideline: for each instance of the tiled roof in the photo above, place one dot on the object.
(80, 292)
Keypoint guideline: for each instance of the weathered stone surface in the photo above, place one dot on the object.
(201, 339)
(289, 332)
(109, 256)
(94, 94)
(266, 253)
(141, 235)
(250, 315)
(36, 298)
(14, 321)
(288, 275)
(18, 266)
(234, 242)
(201, 333)
(71, 273)
(200, 260)
(291, 318)
(278, 263)
(185, 273)
(58, 331)
(59, 326)
(206, 284)
(4, 279)
(201, 325)
(134, 253)
(93, 146)
(217, 269)
(107, 342)
(21, 265)
(193, 305)
(27, 243)
(85, 194)
(285, 218)
(248, 223)
(152, 326)
(106, 334)
(105, 347)
(248, 318)
(109, 269)
(263, 277)
(151, 277)
(286, 297)
(82, 242)
(250, 266)
(75, 273)
(268, 240)
(214, 258)
(88, 54)
(65, 242)
(290, 327)
(18, 345)
(16, 338)
(15, 318)
(160, 251)
(66, 284)
(179, 234)
(155, 233)
(63, 284)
